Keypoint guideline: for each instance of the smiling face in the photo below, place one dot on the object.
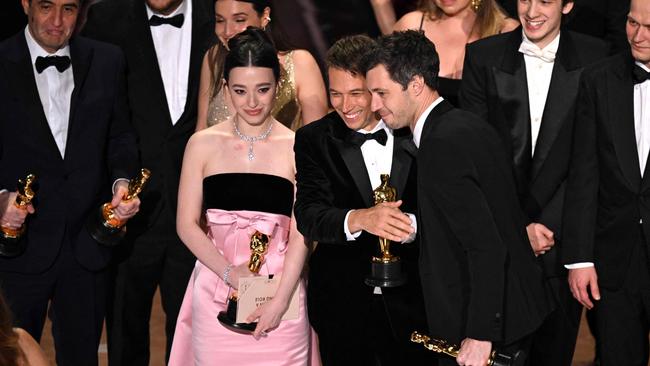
(252, 90)
(51, 22)
(638, 30)
(393, 104)
(232, 17)
(541, 19)
(351, 99)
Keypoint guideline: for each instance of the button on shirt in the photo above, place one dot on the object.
(538, 76)
(173, 47)
(55, 91)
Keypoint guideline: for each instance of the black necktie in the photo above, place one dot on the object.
(639, 74)
(60, 62)
(175, 21)
(359, 138)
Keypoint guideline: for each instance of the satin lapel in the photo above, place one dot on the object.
(620, 106)
(353, 159)
(81, 58)
(402, 160)
(512, 88)
(21, 77)
(201, 28)
(146, 62)
(560, 100)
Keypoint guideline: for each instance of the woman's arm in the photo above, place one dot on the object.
(384, 15)
(310, 87)
(32, 353)
(204, 93)
(190, 198)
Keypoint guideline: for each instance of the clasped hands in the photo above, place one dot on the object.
(540, 237)
(124, 210)
(384, 220)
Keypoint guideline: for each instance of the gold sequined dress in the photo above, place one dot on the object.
(286, 108)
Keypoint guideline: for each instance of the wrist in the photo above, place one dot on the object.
(226, 274)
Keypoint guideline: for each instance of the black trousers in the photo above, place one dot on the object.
(155, 258)
(554, 342)
(623, 316)
(374, 345)
(77, 305)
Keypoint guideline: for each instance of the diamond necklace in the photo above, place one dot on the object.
(252, 139)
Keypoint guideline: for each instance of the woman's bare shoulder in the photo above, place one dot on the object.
(410, 20)
(509, 24)
(32, 351)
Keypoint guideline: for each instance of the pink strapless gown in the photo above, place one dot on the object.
(200, 339)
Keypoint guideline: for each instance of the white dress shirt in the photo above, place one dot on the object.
(538, 75)
(54, 90)
(173, 47)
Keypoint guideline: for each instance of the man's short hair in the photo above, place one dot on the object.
(348, 52)
(405, 55)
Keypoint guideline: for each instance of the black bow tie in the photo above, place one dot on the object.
(359, 138)
(60, 62)
(639, 74)
(175, 21)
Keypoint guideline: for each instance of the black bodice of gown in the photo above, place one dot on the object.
(248, 191)
(449, 89)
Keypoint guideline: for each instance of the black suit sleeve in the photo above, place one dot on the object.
(316, 216)
(455, 190)
(473, 89)
(581, 203)
(122, 154)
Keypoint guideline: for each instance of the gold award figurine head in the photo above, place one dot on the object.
(384, 193)
(137, 184)
(259, 244)
(25, 191)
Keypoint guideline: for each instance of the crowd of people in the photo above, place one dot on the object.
(514, 148)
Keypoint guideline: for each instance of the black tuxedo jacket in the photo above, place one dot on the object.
(331, 180)
(606, 196)
(100, 148)
(478, 271)
(124, 23)
(495, 87)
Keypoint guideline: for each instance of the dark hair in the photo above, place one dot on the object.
(405, 55)
(10, 352)
(348, 52)
(251, 47)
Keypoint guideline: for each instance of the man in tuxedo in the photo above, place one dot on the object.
(482, 287)
(524, 83)
(164, 42)
(63, 118)
(606, 213)
(339, 160)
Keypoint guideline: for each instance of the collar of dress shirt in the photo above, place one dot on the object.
(644, 67)
(378, 127)
(180, 10)
(36, 50)
(553, 46)
(419, 125)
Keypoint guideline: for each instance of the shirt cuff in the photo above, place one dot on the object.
(119, 180)
(579, 265)
(3, 191)
(414, 225)
(348, 235)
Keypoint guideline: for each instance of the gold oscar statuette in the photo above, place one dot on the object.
(10, 244)
(259, 244)
(385, 270)
(442, 347)
(108, 229)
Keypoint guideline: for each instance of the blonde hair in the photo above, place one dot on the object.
(490, 17)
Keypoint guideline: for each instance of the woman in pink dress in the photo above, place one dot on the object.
(240, 174)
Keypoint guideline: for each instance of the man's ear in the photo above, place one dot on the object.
(416, 85)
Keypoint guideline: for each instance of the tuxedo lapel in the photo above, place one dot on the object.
(146, 62)
(559, 101)
(81, 59)
(620, 113)
(353, 159)
(21, 69)
(512, 89)
(401, 165)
